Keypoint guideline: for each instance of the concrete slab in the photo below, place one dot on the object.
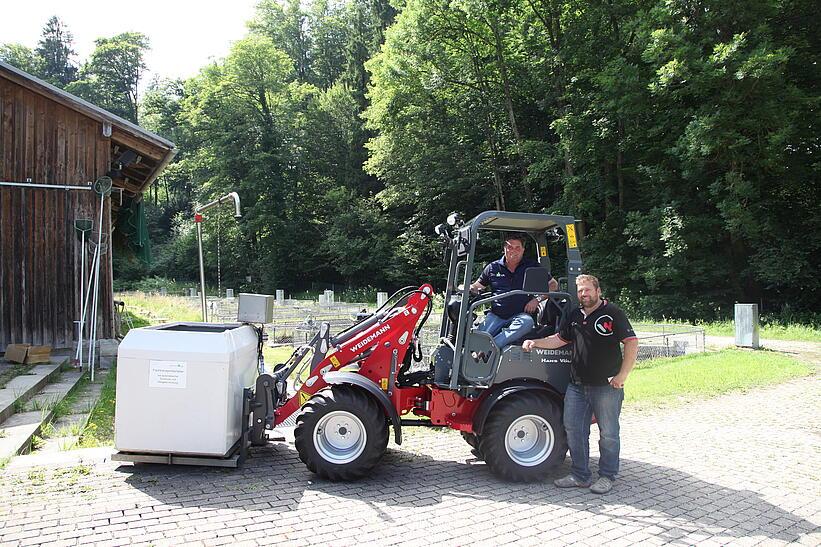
(23, 387)
(17, 431)
(66, 429)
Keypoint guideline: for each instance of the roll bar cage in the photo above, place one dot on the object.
(459, 241)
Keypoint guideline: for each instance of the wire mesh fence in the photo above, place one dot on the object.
(665, 340)
(297, 321)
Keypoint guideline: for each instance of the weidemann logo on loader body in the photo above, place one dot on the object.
(361, 344)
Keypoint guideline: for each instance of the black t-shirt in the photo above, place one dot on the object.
(501, 280)
(596, 342)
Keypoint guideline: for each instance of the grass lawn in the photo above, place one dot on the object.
(171, 308)
(771, 330)
(681, 379)
(99, 430)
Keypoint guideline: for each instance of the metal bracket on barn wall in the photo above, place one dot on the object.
(198, 218)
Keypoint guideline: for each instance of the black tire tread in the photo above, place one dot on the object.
(491, 443)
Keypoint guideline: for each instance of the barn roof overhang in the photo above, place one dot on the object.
(138, 156)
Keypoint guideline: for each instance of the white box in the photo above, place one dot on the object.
(179, 387)
(255, 308)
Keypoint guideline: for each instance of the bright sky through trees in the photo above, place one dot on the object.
(184, 34)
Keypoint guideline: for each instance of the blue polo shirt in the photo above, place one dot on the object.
(501, 280)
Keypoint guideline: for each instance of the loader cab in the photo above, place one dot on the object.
(468, 359)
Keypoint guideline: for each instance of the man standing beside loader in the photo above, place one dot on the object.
(598, 372)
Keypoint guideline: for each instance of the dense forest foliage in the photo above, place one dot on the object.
(683, 133)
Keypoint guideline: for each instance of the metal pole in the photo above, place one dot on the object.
(96, 307)
(85, 304)
(97, 284)
(49, 186)
(79, 357)
(90, 299)
(198, 221)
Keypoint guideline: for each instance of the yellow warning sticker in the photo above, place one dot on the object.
(303, 398)
(542, 250)
(384, 383)
(570, 229)
(334, 360)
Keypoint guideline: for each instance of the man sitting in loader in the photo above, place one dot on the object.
(509, 318)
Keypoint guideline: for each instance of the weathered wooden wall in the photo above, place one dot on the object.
(39, 252)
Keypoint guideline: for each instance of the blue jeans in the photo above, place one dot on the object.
(506, 331)
(580, 404)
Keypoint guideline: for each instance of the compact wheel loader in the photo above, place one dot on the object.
(363, 381)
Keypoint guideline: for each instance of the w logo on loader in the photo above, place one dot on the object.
(604, 325)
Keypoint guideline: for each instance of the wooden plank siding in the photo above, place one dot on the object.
(40, 255)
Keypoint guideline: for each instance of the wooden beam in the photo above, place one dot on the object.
(144, 148)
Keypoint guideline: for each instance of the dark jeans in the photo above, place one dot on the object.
(580, 403)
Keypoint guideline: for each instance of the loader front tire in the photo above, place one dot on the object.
(523, 437)
(341, 433)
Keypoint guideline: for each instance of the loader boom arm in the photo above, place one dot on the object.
(367, 348)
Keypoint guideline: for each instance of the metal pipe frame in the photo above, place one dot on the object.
(198, 218)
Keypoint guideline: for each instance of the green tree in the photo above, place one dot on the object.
(111, 77)
(21, 57)
(55, 52)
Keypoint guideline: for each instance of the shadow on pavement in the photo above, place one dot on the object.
(274, 479)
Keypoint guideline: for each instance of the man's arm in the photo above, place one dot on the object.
(551, 342)
(628, 361)
(533, 304)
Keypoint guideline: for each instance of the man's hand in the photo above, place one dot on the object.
(551, 342)
(532, 306)
(618, 381)
(631, 350)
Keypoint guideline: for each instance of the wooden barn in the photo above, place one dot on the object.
(53, 146)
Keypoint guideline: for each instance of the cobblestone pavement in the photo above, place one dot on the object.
(739, 469)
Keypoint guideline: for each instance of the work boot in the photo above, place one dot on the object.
(602, 486)
(570, 482)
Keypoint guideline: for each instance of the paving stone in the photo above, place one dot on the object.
(695, 474)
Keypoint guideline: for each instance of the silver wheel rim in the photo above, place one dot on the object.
(340, 437)
(529, 440)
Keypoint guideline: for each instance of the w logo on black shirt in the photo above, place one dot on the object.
(604, 325)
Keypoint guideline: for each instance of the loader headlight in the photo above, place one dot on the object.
(454, 219)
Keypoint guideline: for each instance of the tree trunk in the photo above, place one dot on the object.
(497, 178)
(619, 165)
(511, 114)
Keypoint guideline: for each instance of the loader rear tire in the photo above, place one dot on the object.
(341, 433)
(524, 437)
(473, 441)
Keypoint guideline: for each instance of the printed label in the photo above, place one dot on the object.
(171, 374)
(570, 229)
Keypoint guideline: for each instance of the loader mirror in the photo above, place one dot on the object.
(441, 231)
